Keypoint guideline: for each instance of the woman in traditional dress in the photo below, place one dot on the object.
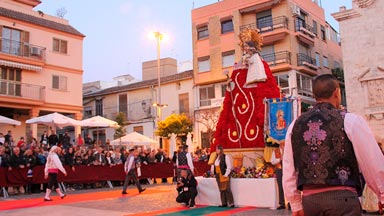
(222, 169)
(52, 168)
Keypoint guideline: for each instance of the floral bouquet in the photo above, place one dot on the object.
(208, 174)
(262, 170)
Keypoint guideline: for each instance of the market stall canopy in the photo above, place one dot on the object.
(134, 139)
(7, 121)
(98, 121)
(54, 120)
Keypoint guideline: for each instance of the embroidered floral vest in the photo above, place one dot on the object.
(322, 152)
(182, 158)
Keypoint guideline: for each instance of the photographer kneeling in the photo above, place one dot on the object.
(186, 186)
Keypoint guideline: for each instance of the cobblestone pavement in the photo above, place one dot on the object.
(147, 202)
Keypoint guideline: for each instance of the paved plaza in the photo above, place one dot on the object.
(157, 199)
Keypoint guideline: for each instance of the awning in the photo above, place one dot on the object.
(21, 65)
(259, 6)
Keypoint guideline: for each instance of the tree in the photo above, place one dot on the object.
(209, 119)
(339, 74)
(120, 119)
(178, 124)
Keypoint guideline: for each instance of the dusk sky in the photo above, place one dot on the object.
(117, 31)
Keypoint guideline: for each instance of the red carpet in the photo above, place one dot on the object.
(232, 211)
(71, 198)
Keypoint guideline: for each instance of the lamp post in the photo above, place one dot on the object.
(158, 37)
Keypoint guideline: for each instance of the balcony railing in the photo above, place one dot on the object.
(273, 59)
(22, 49)
(267, 25)
(21, 90)
(305, 60)
(302, 26)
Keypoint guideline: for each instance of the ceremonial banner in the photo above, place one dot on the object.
(280, 117)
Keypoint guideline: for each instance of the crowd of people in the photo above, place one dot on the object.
(84, 151)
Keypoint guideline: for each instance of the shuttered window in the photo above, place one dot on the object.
(59, 82)
(60, 46)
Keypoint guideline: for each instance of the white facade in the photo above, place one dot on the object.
(362, 31)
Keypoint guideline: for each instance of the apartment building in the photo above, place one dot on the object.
(298, 44)
(137, 99)
(41, 61)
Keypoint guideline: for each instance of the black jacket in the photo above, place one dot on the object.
(189, 182)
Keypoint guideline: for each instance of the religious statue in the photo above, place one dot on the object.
(241, 121)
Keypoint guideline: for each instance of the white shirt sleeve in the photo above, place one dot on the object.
(367, 151)
(274, 160)
(189, 161)
(228, 162)
(290, 175)
(130, 163)
(58, 165)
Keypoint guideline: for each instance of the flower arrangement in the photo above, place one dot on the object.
(261, 170)
(266, 171)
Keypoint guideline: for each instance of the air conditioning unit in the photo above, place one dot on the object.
(295, 10)
(35, 51)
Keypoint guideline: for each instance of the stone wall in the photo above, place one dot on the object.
(362, 33)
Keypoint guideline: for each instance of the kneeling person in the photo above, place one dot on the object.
(186, 187)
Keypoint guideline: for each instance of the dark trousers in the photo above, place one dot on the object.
(225, 195)
(131, 175)
(52, 181)
(187, 197)
(279, 178)
(332, 203)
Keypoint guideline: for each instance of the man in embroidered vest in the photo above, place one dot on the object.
(184, 160)
(129, 169)
(324, 150)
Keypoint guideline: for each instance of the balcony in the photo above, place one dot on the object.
(279, 61)
(22, 49)
(21, 92)
(272, 30)
(304, 32)
(306, 63)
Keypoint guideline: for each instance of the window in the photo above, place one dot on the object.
(228, 59)
(283, 81)
(123, 104)
(204, 64)
(139, 129)
(304, 85)
(87, 112)
(223, 89)
(184, 103)
(317, 59)
(264, 20)
(99, 107)
(205, 139)
(60, 46)
(325, 61)
(206, 94)
(202, 32)
(268, 54)
(322, 29)
(226, 26)
(315, 27)
(336, 64)
(59, 82)
(10, 79)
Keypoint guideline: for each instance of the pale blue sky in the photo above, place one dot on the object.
(116, 31)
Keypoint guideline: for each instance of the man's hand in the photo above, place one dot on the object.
(73, 169)
(21, 166)
(9, 168)
(65, 174)
(45, 176)
(298, 213)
